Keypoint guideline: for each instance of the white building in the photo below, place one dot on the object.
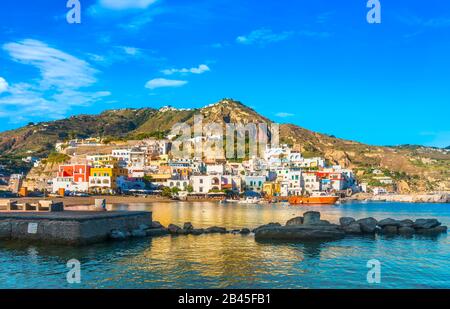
(311, 182)
(254, 183)
(181, 184)
(206, 183)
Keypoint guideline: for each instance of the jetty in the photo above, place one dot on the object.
(55, 225)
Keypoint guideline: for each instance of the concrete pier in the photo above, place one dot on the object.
(69, 227)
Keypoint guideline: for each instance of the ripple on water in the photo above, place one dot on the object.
(237, 261)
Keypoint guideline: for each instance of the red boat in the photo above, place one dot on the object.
(317, 198)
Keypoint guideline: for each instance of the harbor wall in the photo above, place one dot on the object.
(77, 230)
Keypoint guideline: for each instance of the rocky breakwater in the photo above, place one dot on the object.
(157, 229)
(306, 228)
(310, 227)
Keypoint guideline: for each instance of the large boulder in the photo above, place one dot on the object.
(432, 231)
(173, 229)
(271, 224)
(388, 222)
(426, 223)
(156, 225)
(407, 223)
(182, 232)
(156, 232)
(311, 217)
(345, 221)
(295, 221)
(300, 233)
(389, 230)
(352, 228)
(368, 225)
(216, 229)
(406, 230)
(197, 231)
(245, 231)
(188, 226)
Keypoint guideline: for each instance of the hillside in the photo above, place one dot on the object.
(414, 168)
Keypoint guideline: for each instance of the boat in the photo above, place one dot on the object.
(250, 200)
(316, 198)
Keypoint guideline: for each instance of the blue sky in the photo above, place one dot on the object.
(318, 64)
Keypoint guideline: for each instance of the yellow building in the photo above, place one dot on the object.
(105, 178)
(271, 189)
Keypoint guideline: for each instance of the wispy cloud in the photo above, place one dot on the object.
(117, 54)
(284, 115)
(164, 83)
(202, 68)
(266, 36)
(263, 36)
(124, 4)
(3, 85)
(58, 87)
(437, 22)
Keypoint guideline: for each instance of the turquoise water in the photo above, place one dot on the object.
(235, 261)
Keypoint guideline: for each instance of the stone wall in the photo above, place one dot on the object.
(70, 231)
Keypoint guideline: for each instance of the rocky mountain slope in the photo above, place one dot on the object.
(413, 168)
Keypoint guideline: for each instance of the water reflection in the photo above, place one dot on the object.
(238, 261)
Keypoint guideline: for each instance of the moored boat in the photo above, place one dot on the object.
(316, 198)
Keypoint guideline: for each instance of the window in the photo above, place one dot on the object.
(200, 189)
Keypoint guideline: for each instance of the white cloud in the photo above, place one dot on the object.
(58, 87)
(58, 69)
(162, 82)
(132, 51)
(125, 4)
(202, 68)
(263, 36)
(3, 85)
(284, 115)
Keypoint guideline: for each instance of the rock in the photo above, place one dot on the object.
(182, 232)
(197, 231)
(300, 233)
(235, 231)
(406, 223)
(271, 224)
(311, 217)
(188, 226)
(156, 232)
(368, 225)
(352, 228)
(389, 230)
(244, 231)
(216, 229)
(432, 231)
(117, 235)
(156, 225)
(426, 223)
(388, 222)
(406, 230)
(324, 222)
(295, 221)
(173, 229)
(138, 233)
(344, 221)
